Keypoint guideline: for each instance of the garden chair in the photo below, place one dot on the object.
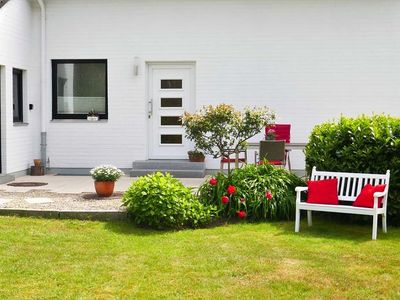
(280, 132)
(273, 151)
(236, 157)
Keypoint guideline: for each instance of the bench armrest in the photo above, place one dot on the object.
(301, 188)
(378, 195)
(298, 190)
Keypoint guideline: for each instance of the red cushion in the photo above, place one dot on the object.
(366, 196)
(323, 191)
(226, 160)
(272, 162)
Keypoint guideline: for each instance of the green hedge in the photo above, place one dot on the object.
(367, 144)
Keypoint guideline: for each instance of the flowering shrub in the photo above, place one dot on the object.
(231, 189)
(224, 199)
(215, 129)
(241, 214)
(161, 201)
(213, 181)
(106, 173)
(255, 192)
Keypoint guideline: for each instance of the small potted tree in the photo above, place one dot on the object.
(105, 177)
(196, 156)
(222, 130)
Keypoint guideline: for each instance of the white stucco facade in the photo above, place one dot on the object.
(19, 48)
(308, 60)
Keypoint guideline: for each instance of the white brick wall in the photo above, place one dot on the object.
(309, 60)
(19, 48)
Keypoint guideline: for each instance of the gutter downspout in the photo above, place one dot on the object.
(43, 93)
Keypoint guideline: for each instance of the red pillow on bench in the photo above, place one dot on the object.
(366, 197)
(323, 191)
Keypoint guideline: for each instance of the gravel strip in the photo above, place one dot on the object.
(61, 202)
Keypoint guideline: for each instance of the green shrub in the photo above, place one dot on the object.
(260, 193)
(362, 145)
(161, 201)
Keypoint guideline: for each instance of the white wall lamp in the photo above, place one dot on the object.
(136, 66)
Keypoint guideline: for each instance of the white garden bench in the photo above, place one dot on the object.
(349, 187)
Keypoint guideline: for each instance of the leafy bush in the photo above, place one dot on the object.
(106, 173)
(215, 129)
(161, 201)
(257, 192)
(363, 145)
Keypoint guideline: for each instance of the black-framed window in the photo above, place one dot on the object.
(18, 96)
(79, 86)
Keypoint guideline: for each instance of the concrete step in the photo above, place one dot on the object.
(175, 173)
(168, 164)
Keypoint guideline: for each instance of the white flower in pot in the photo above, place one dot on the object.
(105, 177)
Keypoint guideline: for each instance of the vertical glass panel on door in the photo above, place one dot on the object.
(171, 102)
(171, 83)
(174, 139)
(171, 121)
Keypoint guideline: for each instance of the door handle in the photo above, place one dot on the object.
(150, 108)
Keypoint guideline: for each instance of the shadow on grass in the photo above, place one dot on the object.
(324, 227)
(330, 228)
(128, 227)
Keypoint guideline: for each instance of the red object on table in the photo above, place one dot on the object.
(281, 131)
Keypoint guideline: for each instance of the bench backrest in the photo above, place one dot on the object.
(350, 184)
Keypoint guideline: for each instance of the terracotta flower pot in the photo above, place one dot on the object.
(196, 158)
(104, 188)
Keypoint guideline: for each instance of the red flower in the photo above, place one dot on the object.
(241, 214)
(225, 199)
(243, 200)
(268, 195)
(213, 181)
(231, 189)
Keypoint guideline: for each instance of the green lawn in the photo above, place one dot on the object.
(93, 260)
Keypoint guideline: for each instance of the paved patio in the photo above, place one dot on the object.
(67, 197)
(78, 184)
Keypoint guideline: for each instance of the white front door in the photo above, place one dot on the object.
(171, 93)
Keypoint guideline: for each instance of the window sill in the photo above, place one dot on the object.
(19, 124)
(78, 121)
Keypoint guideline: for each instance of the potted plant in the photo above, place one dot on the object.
(196, 156)
(92, 115)
(105, 177)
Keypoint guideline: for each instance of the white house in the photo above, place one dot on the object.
(141, 63)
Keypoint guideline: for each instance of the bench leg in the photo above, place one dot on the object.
(384, 225)
(309, 217)
(374, 226)
(297, 222)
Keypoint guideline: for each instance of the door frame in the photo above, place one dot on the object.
(165, 64)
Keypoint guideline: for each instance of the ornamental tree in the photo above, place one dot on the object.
(220, 130)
